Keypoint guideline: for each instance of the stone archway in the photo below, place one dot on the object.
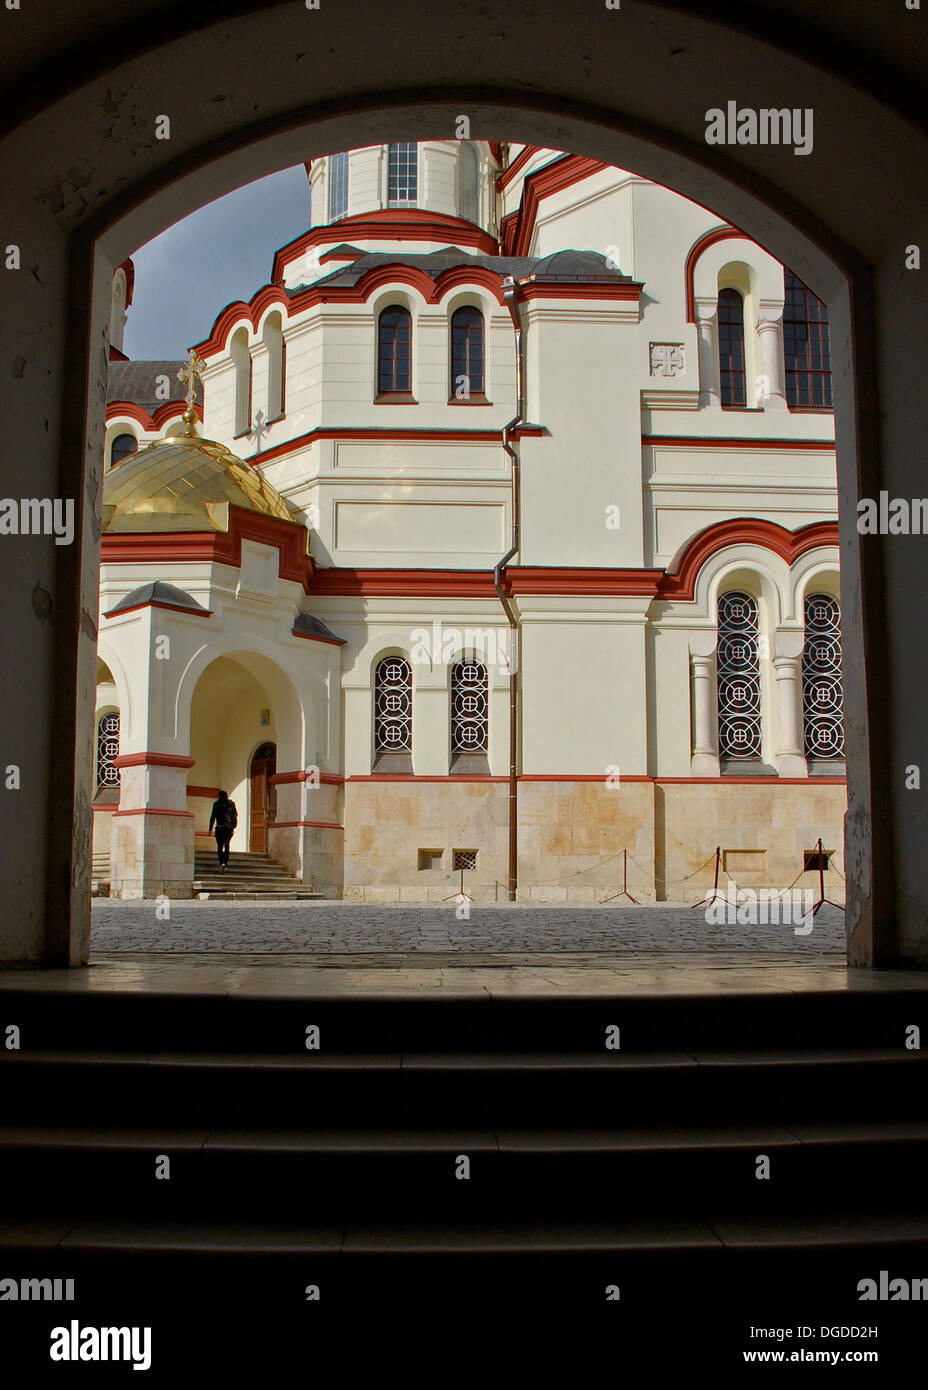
(827, 216)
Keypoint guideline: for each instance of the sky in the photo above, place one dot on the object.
(188, 274)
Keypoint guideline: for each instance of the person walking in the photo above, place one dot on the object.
(225, 817)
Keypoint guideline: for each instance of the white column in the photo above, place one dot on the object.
(709, 388)
(787, 666)
(770, 385)
(705, 757)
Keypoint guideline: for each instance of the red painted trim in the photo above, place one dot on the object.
(753, 781)
(153, 811)
(728, 442)
(168, 410)
(387, 224)
(404, 583)
(301, 775)
(217, 547)
(387, 434)
(314, 637)
(581, 777)
(111, 809)
(128, 265)
(156, 603)
(152, 760)
(696, 250)
(505, 178)
(429, 777)
(679, 582)
(322, 824)
(625, 291)
(209, 792)
(291, 305)
(550, 178)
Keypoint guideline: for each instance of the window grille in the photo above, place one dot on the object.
(822, 683)
(469, 707)
(107, 750)
(393, 706)
(738, 677)
(465, 859)
(403, 172)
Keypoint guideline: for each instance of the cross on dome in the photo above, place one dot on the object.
(191, 372)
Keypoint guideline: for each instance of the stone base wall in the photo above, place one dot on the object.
(573, 836)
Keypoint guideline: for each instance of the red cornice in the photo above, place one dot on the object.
(156, 603)
(703, 244)
(208, 792)
(549, 179)
(375, 435)
(387, 224)
(128, 266)
(169, 410)
(322, 824)
(733, 443)
(593, 289)
(432, 291)
(301, 775)
(218, 547)
(505, 178)
(153, 811)
(679, 582)
(148, 759)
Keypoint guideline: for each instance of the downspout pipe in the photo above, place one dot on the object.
(510, 294)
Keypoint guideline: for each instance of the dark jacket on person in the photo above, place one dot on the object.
(224, 814)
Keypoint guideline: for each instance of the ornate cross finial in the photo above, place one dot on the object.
(191, 372)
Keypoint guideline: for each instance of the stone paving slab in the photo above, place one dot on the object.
(340, 928)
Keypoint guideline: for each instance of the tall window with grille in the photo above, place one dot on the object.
(467, 354)
(107, 750)
(402, 173)
(806, 346)
(469, 704)
(731, 348)
(338, 186)
(738, 677)
(822, 683)
(394, 343)
(393, 706)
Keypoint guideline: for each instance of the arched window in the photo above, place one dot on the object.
(822, 685)
(107, 750)
(402, 173)
(806, 345)
(338, 186)
(123, 445)
(469, 707)
(394, 339)
(393, 706)
(466, 354)
(731, 348)
(241, 359)
(468, 182)
(273, 337)
(738, 677)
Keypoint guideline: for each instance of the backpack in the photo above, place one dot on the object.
(231, 815)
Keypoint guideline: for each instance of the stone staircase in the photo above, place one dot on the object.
(588, 1169)
(248, 875)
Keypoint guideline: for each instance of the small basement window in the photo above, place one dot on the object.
(811, 859)
(430, 858)
(465, 859)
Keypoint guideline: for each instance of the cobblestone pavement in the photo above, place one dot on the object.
(337, 928)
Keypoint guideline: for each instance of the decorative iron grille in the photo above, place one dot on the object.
(393, 706)
(465, 859)
(738, 677)
(469, 707)
(107, 750)
(822, 684)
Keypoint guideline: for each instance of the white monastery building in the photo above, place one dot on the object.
(497, 532)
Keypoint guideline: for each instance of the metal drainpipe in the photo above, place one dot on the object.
(510, 294)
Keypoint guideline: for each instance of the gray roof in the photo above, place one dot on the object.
(308, 626)
(158, 591)
(558, 268)
(137, 382)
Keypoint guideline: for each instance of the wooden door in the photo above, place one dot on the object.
(263, 797)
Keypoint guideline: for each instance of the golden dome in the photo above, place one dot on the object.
(184, 483)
